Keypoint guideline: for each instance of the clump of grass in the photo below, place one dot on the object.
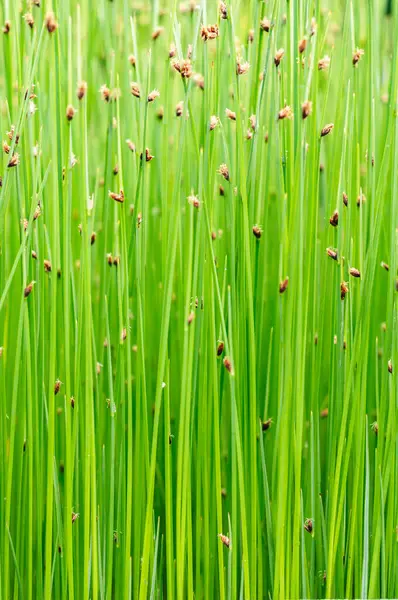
(195, 400)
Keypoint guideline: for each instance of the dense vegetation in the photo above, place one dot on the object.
(198, 305)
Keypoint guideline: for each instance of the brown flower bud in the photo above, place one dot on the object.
(223, 10)
(225, 540)
(285, 113)
(220, 347)
(302, 45)
(265, 25)
(265, 425)
(278, 56)
(356, 57)
(257, 231)
(283, 285)
(28, 289)
(117, 197)
(354, 272)
(332, 253)
(306, 109)
(343, 289)
(57, 386)
(81, 89)
(334, 219)
(228, 365)
(327, 129)
(223, 170)
(70, 112)
(50, 22)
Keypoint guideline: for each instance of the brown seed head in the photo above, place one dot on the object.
(332, 253)
(190, 318)
(250, 36)
(228, 365)
(105, 92)
(93, 238)
(209, 32)
(313, 26)
(324, 413)
(265, 24)
(345, 199)
(183, 67)
(278, 56)
(324, 63)
(375, 428)
(179, 109)
(309, 525)
(356, 56)
(242, 67)
(160, 113)
(57, 386)
(115, 169)
(81, 89)
(225, 540)
(7, 27)
(223, 170)
(354, 272)
(221, 190)
(28, 289)
(29, 19)
(302, 45)
(285, 113)
(327, 129)
(283, 285)
(117, 197)
(131, 145)
(50, 22)
(257, 231)
(230, 114)
(265, 425)
(70, 112)
(306, 109)
(6, 147)
(123, 335)
(199, 80)
(132, 60)
(220, 347)
(389, 365)
(75, 516)
(343, 289)
(194, 200)
(334, 219)
(213, 122)
(253, 122)
(34, 255)
(157, 32)
(361, 199)
(148, 155)
(135, 89)
(153, 95)
(172, 50)
(223, 10)
(385, 266)
(14, 161)
(47, 266)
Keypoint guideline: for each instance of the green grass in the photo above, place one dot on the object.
(128, 442)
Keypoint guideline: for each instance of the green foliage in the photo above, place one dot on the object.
(196, 400)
